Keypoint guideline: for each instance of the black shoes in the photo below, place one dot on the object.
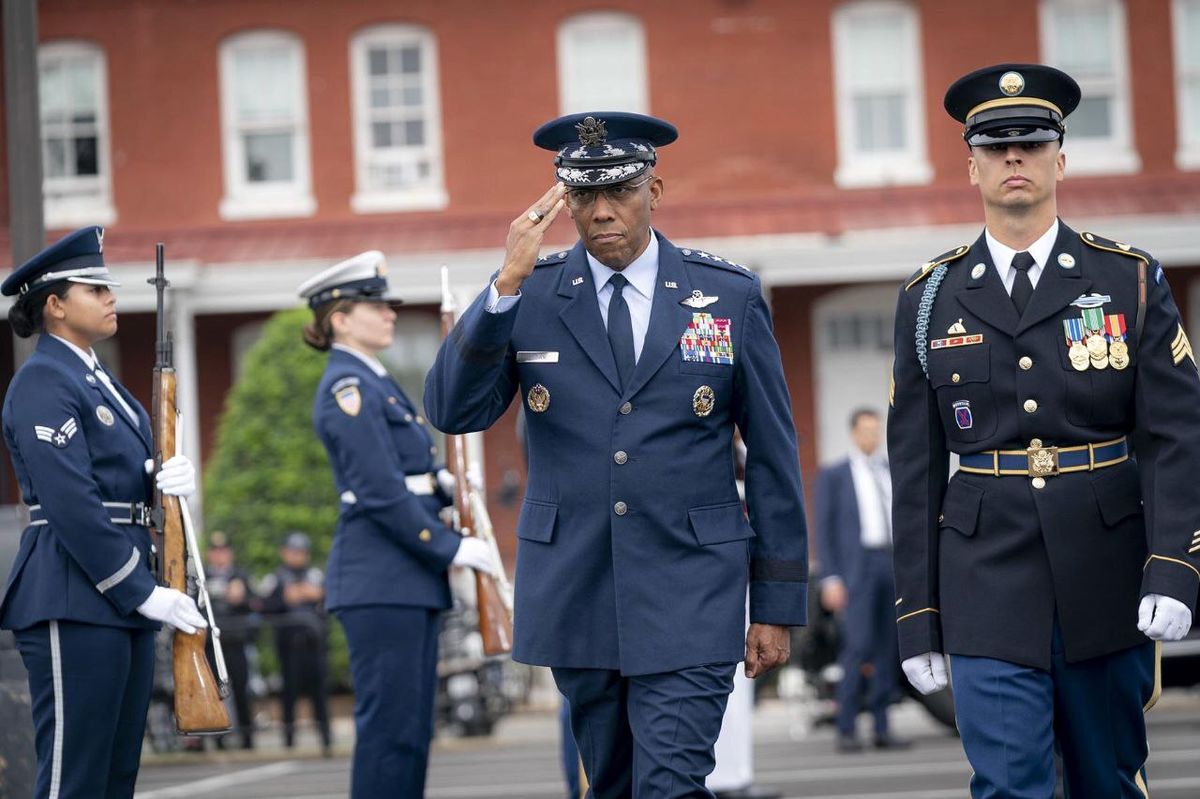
(894, 744)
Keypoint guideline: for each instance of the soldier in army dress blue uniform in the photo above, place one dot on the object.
(81, 598)
(386, 578)
(1055, 364)
(635, 360)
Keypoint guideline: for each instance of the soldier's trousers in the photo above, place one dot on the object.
(90, 689)
(1012, 719)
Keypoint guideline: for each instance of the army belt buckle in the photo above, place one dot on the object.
(1043, 461)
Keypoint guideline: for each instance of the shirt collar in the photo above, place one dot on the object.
(641, 274)
(873, 461)
(372, 362)
(1002, 254)
(89, 358)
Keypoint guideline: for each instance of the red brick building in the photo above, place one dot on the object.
(264, 140)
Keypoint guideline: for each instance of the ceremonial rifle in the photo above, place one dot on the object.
(198, 706)
(493, 594)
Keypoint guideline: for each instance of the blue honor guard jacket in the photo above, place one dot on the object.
(390, 547)
(1077, 426)
(74, 450)
(634, 550)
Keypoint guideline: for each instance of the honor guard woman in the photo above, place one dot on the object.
(387, 572)
(82, 599)
(1052, 561)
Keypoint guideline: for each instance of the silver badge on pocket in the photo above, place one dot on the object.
(105, 415)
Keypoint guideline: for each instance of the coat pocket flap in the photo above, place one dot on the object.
(960, 509)
(959, 365)
(536, 522)
(1118, 494)
(718, 524)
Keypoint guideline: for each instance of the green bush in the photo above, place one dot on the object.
(268, 473)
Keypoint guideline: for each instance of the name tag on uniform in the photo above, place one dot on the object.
(537, 356)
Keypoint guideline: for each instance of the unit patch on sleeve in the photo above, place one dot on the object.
(60, 437)
(345, 391)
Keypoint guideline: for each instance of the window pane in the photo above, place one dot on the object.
(266, 83)
(1191, 111)
(54, 153)
(268, 157)
(876, 50)
(602, 60)
(1084, 41)
(414, 132)
(380, 98)
(879, 122)
(81, 78)
(411, 95)
(410, 60)
(381, 134)
(85, 156)
(52, 90)
(1092, 119)
(1189, 22)
(377, 61)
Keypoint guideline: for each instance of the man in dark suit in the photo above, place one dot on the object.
(636, 360)
(1052, 562)
(854, 540)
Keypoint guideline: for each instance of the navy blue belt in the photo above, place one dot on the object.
(1041, 461)
(119, 513)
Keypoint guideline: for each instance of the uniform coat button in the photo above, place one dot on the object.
(620, 457)
(408, 417)
(1039, 482)
(1030, 405)
(1026, 362)
(626, 408)
(620, 508)
(955, 378)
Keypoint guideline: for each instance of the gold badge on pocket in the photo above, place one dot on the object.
(538, 398)
(703, 401)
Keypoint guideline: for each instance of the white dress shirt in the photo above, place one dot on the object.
(638, 293)
(93, 364)
(1002, 256)
(372, 362)
(873, 490)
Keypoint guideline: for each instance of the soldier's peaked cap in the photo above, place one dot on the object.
(600, 148)
(1012, 103)
(76, 257)
(362, 278)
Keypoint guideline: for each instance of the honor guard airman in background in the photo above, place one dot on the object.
(635, 360)
(386, 577)
(81, 598)
(1055, 364)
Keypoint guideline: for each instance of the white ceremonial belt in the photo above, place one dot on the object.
(421, 484)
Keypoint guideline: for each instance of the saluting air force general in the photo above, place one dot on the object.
(82, 599)
(1055, 364)
(387, 572)
(635, 359)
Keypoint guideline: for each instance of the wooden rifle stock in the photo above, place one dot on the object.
(495, 616)
(198, 705)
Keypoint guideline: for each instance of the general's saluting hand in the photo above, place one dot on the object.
(525, 240)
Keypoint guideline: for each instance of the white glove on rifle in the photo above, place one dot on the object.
(475, 554)
(174, 608)
(447, 483)
(177, 476)
(1163, 618)
(927, 672)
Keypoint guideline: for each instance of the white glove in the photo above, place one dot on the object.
(447, 483)
(1163, 618)
(474, 553)
(926, 672)
(177, 477)
(174, 608)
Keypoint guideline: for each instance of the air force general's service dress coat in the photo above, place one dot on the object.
(984, 565)
(634, 551)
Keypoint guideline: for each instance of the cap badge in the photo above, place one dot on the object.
(100, 239)
(1012, 84)
(592, 132)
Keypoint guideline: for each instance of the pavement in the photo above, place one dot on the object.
(520, 761)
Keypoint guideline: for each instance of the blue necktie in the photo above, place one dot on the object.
(620, 331)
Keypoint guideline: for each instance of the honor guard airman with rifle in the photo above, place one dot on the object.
(635, 360)
(1053, 560)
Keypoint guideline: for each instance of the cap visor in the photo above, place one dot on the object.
(97, 280)
(1010, 133)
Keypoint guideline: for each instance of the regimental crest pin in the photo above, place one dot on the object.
(58, 438)
(977, 271)
(1066, 260)
(957, 329)
(105, 415)
(703, 401)
(538, 398)
(962, 415)
(698, 300)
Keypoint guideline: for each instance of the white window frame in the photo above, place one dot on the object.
(909, 166)
(67, 212)
(1187, 152)
(1115, 155)
(569, 99)
(243, 199)
(431, 195)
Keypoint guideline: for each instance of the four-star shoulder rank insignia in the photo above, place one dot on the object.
(60, 437)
